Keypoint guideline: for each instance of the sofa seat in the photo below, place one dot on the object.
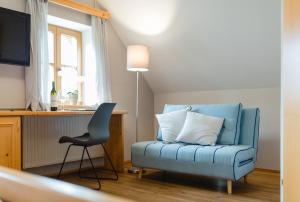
(225, 161)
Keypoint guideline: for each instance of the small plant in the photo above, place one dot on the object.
(75, 92)
(73, 97)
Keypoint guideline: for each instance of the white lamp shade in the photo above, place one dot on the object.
(137, 58)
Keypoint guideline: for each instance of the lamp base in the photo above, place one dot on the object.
(134, 170)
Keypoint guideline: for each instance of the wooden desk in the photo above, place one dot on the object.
(10, 135)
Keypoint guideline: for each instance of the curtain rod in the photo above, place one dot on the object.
(84, 8)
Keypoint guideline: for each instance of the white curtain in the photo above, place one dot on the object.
(37, 76)
(102, 69)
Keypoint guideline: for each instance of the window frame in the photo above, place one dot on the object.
(57, 33)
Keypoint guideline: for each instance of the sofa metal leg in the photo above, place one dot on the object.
(229, 186)
(140, 173)
(246, 179)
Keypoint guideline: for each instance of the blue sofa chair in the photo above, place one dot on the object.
(232, 158)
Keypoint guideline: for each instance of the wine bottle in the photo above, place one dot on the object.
(53, 98)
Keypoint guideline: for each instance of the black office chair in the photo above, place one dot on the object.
(98, 134)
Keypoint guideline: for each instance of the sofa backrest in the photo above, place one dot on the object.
(230, 132)
(250, 127)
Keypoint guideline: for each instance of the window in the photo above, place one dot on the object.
(65, 60)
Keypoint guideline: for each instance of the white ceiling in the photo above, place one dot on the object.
(203, 44)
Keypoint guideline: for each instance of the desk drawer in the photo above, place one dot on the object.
(10, 142)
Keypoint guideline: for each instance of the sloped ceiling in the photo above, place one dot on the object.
(203, 44)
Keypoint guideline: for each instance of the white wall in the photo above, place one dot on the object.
(267, 99)
(12, 84)
(146, 111)
(200, 42)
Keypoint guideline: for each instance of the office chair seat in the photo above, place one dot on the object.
(83, 140)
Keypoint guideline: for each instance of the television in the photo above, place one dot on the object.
(14, 37)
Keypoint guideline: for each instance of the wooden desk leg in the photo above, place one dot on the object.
(115, 144)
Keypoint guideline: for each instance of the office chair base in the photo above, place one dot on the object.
(92, 164)
(94, 170)
(84, 149)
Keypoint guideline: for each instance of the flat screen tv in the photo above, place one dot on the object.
(14, 37)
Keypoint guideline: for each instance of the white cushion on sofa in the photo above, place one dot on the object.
(171, 124)
(200, 129)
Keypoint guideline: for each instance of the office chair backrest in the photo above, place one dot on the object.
(98, 127)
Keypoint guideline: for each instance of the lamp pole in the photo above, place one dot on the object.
(137, 107)
(134, 169)
(137, 60)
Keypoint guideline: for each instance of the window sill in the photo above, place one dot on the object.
(74, 107)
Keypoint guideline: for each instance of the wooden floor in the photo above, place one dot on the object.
(157, 186)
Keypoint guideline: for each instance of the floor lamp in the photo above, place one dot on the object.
(137, 61)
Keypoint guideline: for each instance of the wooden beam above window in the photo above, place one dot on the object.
(84, 8)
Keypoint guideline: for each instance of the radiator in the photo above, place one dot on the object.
(40, 137)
